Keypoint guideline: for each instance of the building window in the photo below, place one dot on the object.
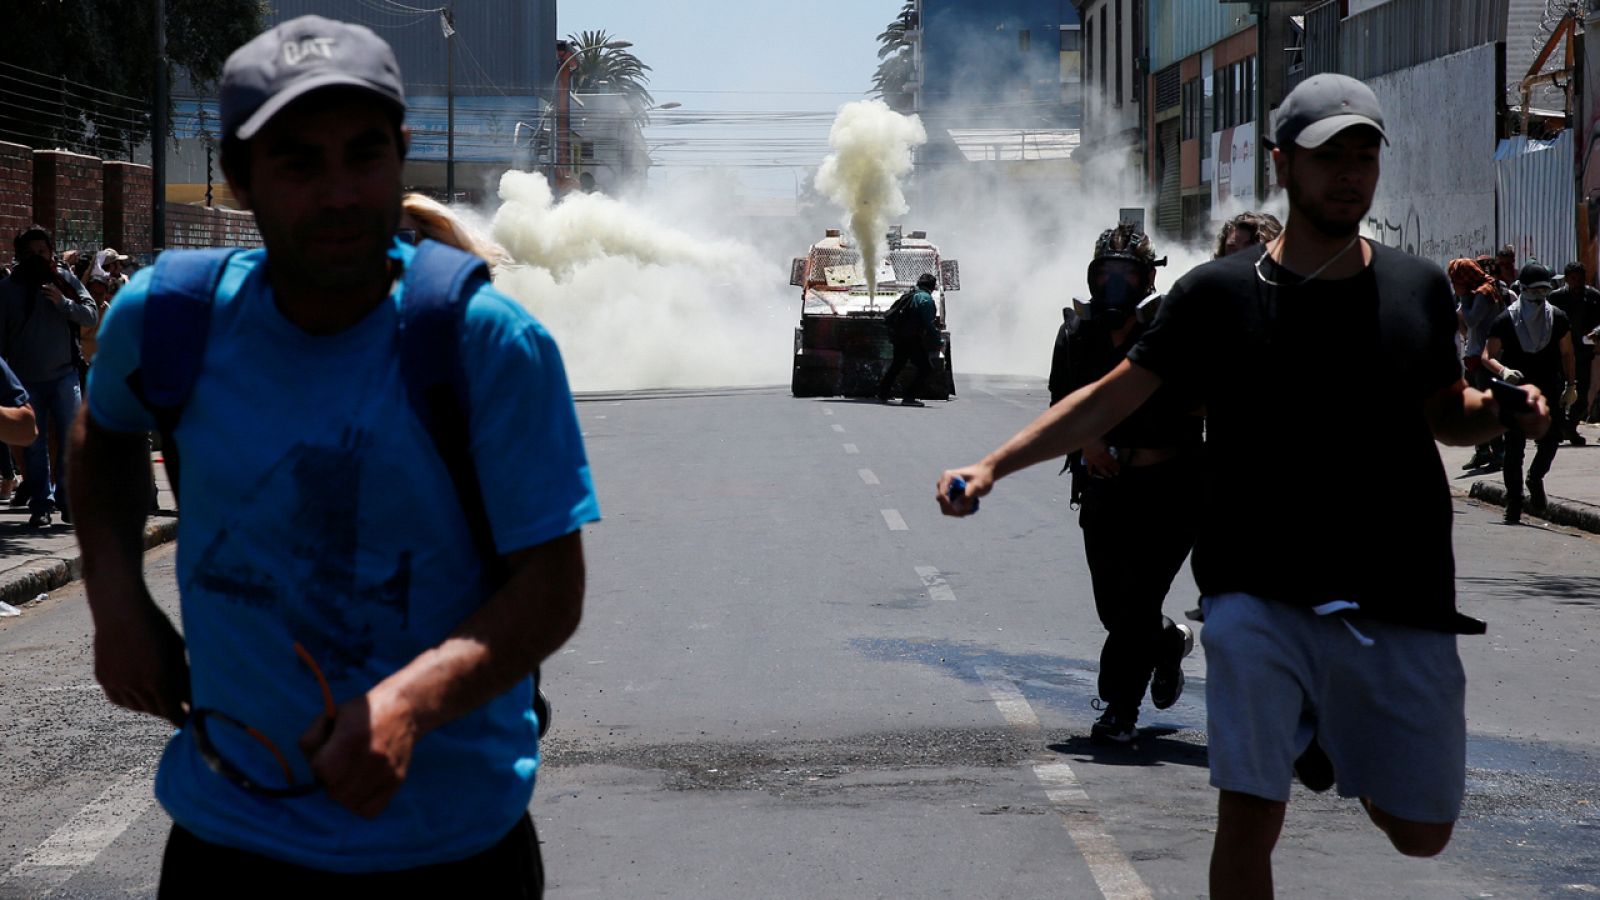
(1225, 106)
(1024, 40)
(1071, 39)
(1191, 110)
(1117, 60)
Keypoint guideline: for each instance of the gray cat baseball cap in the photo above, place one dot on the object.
(299, 56)
(1321, 107)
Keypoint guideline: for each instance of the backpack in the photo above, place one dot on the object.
(438, 283)
(899, 319)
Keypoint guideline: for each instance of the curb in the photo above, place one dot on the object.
(21, 585)
(1557, 511)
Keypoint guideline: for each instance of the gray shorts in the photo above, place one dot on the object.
(1391, 716)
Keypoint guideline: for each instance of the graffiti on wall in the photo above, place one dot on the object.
(1412, 236)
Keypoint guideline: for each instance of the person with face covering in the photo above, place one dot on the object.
(1531, 343)
(1478, 301)
(1136, 486)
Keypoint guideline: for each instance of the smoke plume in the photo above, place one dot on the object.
(872, 147)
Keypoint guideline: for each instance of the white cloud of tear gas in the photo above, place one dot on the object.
(636, 302)
(1024, 248)
(872, 147)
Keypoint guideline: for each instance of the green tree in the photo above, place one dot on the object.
(896, 61)
(602, 70)
(55, 49)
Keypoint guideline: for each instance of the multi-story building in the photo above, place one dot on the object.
(497, 59)
(998, 82)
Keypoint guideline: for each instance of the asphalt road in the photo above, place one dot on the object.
(795, 679)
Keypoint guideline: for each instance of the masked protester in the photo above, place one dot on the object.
(1120, 480)
(1478, 301)
(1531, 343)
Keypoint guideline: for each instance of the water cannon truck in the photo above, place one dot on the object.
(842, 346)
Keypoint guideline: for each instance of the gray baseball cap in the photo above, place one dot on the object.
(1321, 107)
(284, 63)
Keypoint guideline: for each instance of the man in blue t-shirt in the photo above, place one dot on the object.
(355, 703)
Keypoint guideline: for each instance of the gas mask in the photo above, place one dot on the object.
(1117, 289)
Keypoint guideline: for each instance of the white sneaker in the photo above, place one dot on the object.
(7, 609)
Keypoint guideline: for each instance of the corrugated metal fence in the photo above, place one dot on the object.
(1404, 33)
(1538, 199)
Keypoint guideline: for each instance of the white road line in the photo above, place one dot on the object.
(867, 476)
(1112, 870)
(851, 448)
(938, 588)
(896, 521)
(826, 411)
(91, 830)
(839, 428)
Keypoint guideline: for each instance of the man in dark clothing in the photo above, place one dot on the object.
(1581, 302)
(1341, 630)
(42, 305)
(1531, 343)
(1148, 462)
(915, 335)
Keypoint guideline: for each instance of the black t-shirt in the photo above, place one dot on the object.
(1085, 353)
(1583, 313)
(1542, 368)
(1293, 378)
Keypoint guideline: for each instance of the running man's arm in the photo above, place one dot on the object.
(17, 428)
(1460, 416)
(363, 757)
(1079, 418)
(138, 655)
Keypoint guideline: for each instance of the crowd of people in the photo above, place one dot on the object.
(50, 309)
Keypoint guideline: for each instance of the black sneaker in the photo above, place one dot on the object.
(1513, 509)
(1478, 460)
(1115, 726)
(1166, 685)
(1314, 768)
(1536, 497)
(39, 520)
(912, 401)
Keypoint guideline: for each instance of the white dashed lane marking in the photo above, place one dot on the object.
(896, 521)
(827, 412)
(81, 838)
(1112, 871)
(867, 476)
(938, 588)
(851, 448)
(839, 428)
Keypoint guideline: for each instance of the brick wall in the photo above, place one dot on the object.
(199, 226)
(16, 194)
(127, 208)
(68, 198)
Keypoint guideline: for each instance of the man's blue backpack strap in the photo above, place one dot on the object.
(177, 318)
(438, 283)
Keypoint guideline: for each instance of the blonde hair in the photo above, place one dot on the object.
(435, 221)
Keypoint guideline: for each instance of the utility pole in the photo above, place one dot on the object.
(158, 137)
(450, 103)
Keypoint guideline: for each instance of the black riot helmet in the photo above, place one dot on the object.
(1122, 274)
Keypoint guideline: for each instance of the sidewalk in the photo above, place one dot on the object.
(37, 562)
(1573, 484)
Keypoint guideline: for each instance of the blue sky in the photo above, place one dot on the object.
(769, 73)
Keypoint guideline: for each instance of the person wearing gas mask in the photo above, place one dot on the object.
(42, 306)
(1531, 343)
(1136, 488)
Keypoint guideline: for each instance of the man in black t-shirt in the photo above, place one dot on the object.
(1325, 628)
(1531, 343)
(1581, 302)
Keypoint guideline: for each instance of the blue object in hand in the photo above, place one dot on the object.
(958, 487)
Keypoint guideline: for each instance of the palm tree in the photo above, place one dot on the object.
(603, 70)
(896, 66)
